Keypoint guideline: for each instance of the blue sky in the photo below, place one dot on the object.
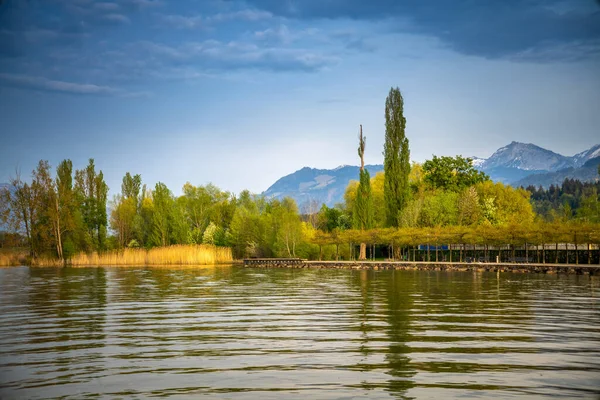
(240, 93)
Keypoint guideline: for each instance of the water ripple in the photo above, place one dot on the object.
(230, 332)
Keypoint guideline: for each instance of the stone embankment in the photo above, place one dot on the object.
(577, 269)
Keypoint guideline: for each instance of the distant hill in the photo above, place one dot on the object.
(320, 185)
(586, 173)
(516, 164)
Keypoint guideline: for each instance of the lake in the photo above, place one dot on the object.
(242, 333)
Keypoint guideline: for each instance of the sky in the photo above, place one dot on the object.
(242, 92)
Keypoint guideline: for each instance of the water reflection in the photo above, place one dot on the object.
(246, 333)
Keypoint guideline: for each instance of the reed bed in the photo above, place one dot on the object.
(172, 255)
(47, 262)
(13, 258)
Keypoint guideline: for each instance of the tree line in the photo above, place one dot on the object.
(572, 200)
(446, 200)
(401, 213)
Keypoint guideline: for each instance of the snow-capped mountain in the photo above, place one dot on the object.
(311, 185)
(580, 159)
(527, 157)
(510, 164)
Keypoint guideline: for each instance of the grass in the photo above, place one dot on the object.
(10, 257)
(172, 255)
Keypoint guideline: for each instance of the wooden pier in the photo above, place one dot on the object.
(576, 269)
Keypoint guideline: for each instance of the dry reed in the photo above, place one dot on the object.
(172, 255)
(47, 262)
(13, 258)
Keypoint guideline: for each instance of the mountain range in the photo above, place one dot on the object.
(511, 163)
(517, 164)
(317, 186)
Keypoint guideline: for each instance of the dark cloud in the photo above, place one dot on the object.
(492, 28)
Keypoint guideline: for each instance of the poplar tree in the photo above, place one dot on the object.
(396, 158)
(363, 206)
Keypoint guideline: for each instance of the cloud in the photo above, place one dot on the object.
(492, 29)
(116, 18)
(243, 15)
(280, 33)
(198, 21)
(44, 84)
(183, 22)
(214, 55)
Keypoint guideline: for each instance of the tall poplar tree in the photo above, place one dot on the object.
(92, 193)
(363, 206)
(396, 154)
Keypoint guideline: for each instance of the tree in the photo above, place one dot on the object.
(502, 204)
(246, 229)
(43, 201)
(363, 205)
(198, 202)
(125, 218)
(162, 216)
(92, 193)
(439, 209)
(290, 231)
(122, 218)
(469, 211)
(63, 210)
(211, 234)
(452, 173)
(589, 208)
(396, 154)
(377, 183)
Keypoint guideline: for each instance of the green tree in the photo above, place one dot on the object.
(92, 193)
(410, 214)
(396, 158)
(246, 231)
(162, 215)
(43, 195)
(589, 208)
(329, 219)
(211, 234)
(439, 209)
(122, 219)
(362, 213)
(452, 173)
(469, 210)
(290, 226)
(363, 206)
(64, 211)
(131, 186)
(502, 204)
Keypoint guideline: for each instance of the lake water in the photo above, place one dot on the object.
(230, 332)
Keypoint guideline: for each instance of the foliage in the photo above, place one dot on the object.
(396, 158)
(362, 212)
(440, 209)
(571, 200)
(503, 204)
(452, 173)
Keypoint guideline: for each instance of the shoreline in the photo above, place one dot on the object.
(573, 269)
(229, 263)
